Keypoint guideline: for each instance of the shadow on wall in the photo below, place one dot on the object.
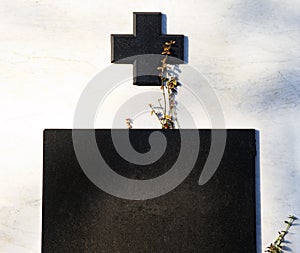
(186, 39)
(259, 13)
(278, 91)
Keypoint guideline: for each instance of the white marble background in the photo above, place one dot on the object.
(248, 50)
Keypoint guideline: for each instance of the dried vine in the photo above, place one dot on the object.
(166, 113)
(276, 246)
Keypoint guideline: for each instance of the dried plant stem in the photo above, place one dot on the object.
(153, 111)
(165, 101)
(276, 246)
(169, 88)
(166, 113)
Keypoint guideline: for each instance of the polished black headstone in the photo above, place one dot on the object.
(217, 217)
(147, 38)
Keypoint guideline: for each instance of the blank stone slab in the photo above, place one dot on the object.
(216, 217)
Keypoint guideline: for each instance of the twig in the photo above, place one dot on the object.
(276, 246)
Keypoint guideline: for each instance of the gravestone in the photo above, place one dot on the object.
(78, 216)
(216, 217)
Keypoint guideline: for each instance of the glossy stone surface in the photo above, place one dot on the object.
(216, 217)
(147, 38)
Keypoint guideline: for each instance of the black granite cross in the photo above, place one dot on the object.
(147, 38)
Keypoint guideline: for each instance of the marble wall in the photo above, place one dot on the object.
(248, 51)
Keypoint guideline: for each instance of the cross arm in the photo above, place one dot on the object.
(122, 48)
